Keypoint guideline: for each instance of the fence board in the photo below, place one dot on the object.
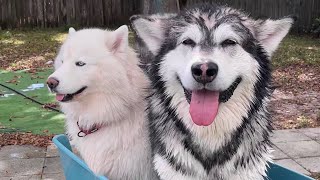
(55, 13)
(306, 10)
(106, 13)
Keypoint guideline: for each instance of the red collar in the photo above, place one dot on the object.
(84, 132)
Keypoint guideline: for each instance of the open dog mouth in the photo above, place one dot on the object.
(224, 96)
(68, 97)
(204, 103)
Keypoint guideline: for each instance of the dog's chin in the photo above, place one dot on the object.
(69, 97)
(224, 96)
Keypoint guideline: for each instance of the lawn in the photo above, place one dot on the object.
(297, 50)
(20, 51)
(20, 114)
(25, 50)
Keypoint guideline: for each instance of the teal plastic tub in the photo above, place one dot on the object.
(75, 169)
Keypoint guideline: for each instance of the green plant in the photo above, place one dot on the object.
(316, 27)
(303, 122)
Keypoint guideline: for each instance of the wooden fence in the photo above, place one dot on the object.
(306, 10)
(106, 13)
(55, 13)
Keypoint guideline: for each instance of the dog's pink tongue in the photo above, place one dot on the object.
(204, 107)
(59, 97)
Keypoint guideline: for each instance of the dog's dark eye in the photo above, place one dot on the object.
(189, 42)
(228, 42)
(80, 63)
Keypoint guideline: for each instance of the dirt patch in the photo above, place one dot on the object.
(25, 139)
(297, 78)
(295, 102)
(316, 176)
(27, 49)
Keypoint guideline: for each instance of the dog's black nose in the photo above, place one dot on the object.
(204, 72)
(52, 82)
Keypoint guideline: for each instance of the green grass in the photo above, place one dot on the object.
(20, 114)
(297, 49)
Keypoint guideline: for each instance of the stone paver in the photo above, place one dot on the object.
(58, 176)
(21, 152)
(289, 163)
(300, 149)
(30, 177)
(288, 135)
(311, 164)
(21, 167)
(313, 133)
(52, 165)
(52, 151)
(278, 154)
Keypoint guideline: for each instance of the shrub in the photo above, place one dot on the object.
(316, 27)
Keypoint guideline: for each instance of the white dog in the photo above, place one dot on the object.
(102, 91)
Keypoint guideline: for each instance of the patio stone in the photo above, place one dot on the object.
(300, 149)
(288, 135)
(21, 167)
(30, 177)
(313, 133)
(52, 165)
(278, 154)
(52, 151)
(21, 152)
(311, 164)
(58, 176)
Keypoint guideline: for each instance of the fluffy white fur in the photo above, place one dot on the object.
(114, 98)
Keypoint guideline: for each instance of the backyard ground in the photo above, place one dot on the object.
(296, 73)
(26, 60)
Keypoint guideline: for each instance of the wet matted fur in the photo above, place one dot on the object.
(235, 143)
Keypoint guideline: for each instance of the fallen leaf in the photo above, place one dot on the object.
(25, 138)
(13, 81)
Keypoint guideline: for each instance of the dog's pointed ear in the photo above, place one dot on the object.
(271, 32)
(117, 41)
(71, 30)
(150, 29)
